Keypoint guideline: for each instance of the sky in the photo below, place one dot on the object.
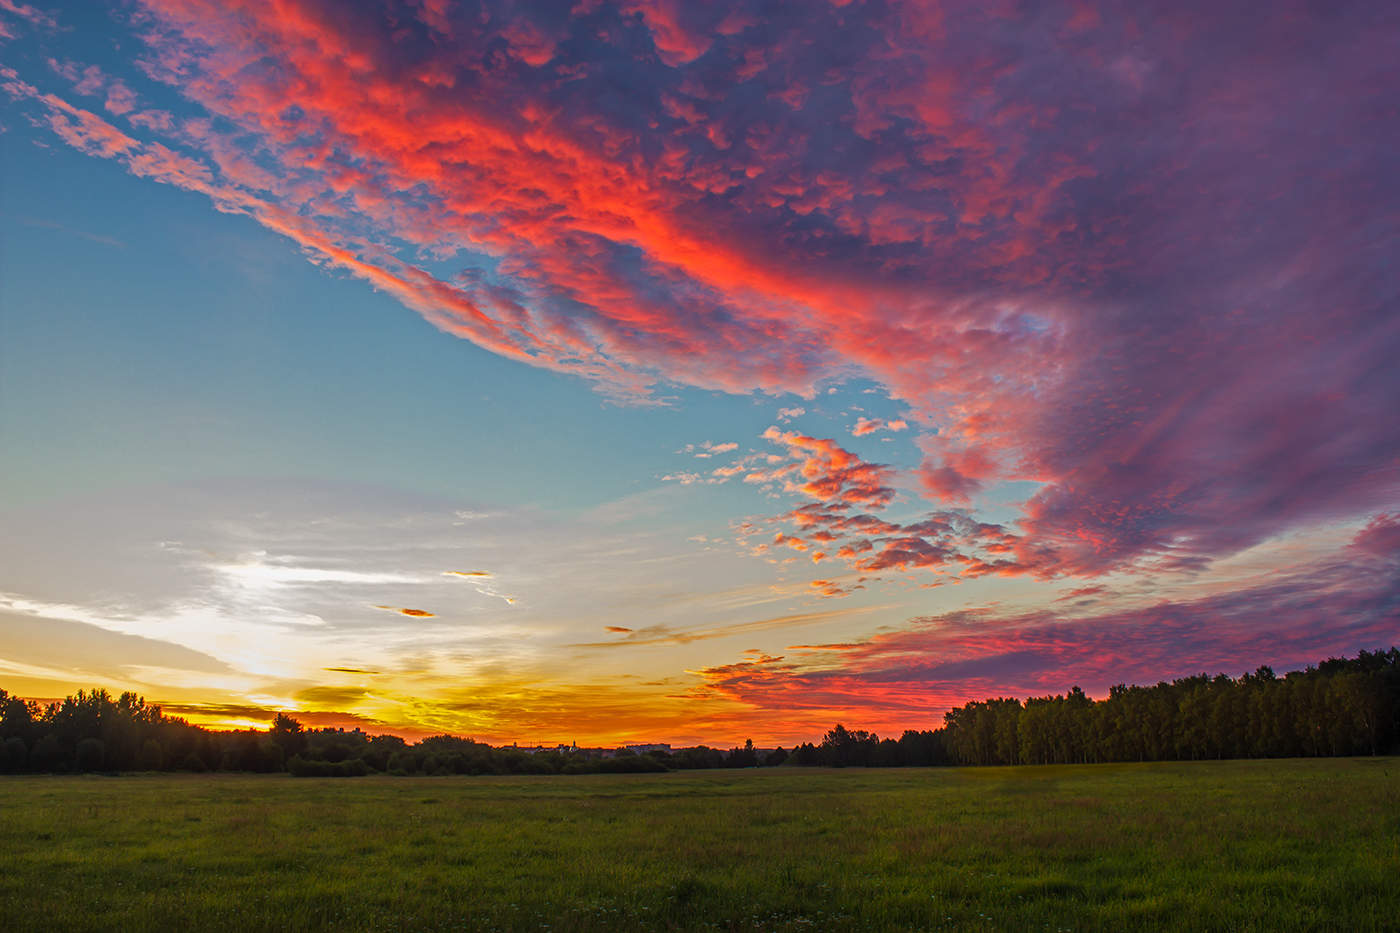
(659, 371)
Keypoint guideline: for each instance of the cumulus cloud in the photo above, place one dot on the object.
(864, 426)
(834, 524)
(835, 588)
(824, 470)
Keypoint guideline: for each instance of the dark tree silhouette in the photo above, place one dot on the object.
(1343, 706)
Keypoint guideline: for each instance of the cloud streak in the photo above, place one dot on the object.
(665, 635)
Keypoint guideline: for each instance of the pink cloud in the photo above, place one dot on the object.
(866, 426)
(31, 14)
(906, 678)
(678, 41)
(120, 98)
(829, 472)
(85, 131)
(1380, 537)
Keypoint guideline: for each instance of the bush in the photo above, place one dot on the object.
(303, 767)
(630, 764)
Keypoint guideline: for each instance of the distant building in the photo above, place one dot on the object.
(653, 747)
(561, 748)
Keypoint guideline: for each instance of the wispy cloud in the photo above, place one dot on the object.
(665, 635)
(259, 571)
(30, 14)
(86, 235)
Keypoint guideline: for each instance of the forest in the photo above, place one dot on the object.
(1340, 707)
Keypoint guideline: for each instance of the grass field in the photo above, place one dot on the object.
(1264, 845)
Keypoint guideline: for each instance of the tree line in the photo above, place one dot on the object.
(1339, 707)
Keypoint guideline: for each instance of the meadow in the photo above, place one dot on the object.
(1239, 845)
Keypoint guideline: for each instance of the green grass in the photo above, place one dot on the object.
(1244, 845)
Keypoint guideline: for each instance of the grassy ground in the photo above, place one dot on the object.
(1262, 845)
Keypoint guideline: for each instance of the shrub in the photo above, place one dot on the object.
(632, 764)
(304, 767)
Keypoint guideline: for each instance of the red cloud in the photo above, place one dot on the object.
(676, 41)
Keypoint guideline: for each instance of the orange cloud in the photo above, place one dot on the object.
(831, 473)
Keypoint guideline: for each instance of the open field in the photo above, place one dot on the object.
(1267, 845)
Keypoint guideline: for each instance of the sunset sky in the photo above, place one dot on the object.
(668, 371)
